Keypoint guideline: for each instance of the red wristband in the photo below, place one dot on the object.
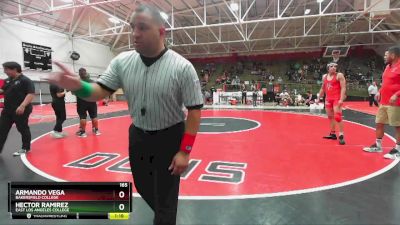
(187, 142)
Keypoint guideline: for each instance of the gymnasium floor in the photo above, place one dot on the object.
(249, 166)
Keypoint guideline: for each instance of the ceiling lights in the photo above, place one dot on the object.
(234, 6)
(164, 16)
(114, 20)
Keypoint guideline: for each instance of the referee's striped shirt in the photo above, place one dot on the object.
(161, 89)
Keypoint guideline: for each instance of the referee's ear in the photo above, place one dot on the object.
(162, 31)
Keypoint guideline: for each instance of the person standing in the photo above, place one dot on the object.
(372, 91)
(334, 86)
(244, 93)
(1, 95)
(157, 82)
(309, 98)
(389, 107)
(84, 107)
(255, 96)
(19, 91)
(58, 105)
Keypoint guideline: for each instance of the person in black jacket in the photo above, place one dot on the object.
(19, 92)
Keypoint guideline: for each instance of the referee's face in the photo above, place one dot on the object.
(146, 34)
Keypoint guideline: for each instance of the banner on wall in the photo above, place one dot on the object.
(37, 57)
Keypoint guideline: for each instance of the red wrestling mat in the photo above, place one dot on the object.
(279, 154)
(361, 107)
(44, 113)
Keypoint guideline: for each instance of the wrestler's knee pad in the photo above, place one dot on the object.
(338, 117)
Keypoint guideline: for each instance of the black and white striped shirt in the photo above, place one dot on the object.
(161, 88)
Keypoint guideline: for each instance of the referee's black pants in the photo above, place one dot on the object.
(150, 154)
(7, 119)
(372, 100)
(61, 116)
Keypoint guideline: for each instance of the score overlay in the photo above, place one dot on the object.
(70, 200)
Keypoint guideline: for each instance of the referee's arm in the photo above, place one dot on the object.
(180, 161)
(99, 92)
(68, 80)
(193, 121)
(192, 98)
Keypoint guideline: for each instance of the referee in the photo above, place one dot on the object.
(156, 82)
(19, 92)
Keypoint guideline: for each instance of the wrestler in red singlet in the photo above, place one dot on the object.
(332, 90)
(334, 87)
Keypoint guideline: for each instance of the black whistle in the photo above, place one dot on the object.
(143, 111)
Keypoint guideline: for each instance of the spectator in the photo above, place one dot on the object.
(372, 91)
(309, 99)
(244, 93)
(271, 78)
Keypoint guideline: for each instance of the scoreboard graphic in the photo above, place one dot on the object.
(37, 57)
(70, 200)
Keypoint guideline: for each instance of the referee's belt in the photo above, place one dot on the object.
(153, 132)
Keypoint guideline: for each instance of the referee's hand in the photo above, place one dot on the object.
(65, 78)
(179, 163)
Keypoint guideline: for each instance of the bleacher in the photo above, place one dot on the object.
(358, 71)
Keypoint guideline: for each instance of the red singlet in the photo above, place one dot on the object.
(332, 87)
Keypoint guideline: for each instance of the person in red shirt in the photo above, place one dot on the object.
(334, 87)
(389, 108)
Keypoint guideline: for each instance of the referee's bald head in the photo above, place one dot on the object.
(150, 10)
